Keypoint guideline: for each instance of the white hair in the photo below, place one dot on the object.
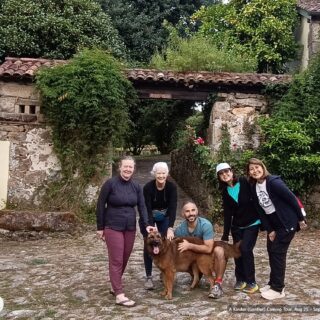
(159, 166)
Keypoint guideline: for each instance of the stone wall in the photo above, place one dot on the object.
(32, 161)
(237, 112)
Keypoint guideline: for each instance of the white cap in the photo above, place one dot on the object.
(222, 166)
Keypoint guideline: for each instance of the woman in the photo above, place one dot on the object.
(241, 217)
(161, 202)
(281, 215)
(116, 223)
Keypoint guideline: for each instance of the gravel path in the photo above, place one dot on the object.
(65, 277)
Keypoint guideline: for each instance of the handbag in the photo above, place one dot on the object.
(159, 215)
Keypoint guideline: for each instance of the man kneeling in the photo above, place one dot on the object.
(195, 226)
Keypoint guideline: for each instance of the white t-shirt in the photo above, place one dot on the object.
(264, 199)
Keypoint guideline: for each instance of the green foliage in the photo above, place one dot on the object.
(157, 122)
(302, 101)
(55, 29)
(287, 151)
(292, 135)
(140, 22)
(86, 103)
(199, 53)
(182, 135)
(261, 28)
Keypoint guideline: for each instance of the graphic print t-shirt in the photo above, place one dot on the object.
(264, 199)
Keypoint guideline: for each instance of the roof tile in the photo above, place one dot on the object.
(311, 6)
(25, 68)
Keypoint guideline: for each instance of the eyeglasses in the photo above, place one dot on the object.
(221, 172)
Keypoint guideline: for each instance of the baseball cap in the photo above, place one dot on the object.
(222, 166)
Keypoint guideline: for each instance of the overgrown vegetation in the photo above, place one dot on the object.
(86, 104)
(198, 53)
(292, 134)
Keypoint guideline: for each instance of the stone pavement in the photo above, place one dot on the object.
(65, 277)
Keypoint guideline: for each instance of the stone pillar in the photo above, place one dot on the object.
(238, 112)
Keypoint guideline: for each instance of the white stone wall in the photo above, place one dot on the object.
(32, 162)
(238, 111)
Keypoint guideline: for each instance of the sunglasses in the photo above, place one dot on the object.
(221, 172)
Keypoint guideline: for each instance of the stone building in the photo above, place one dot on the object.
(308, 33)
(27, 157)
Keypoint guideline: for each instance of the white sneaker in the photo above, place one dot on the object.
(1, 304)
(149, 284)
(265, 288)
(271, 294)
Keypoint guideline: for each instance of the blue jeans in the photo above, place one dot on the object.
(162, 228)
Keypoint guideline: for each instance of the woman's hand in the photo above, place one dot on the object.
(100, 235)
(303, 224)
(272, 235)
(151, 228)
(170, 234)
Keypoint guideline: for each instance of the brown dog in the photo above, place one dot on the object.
(169, 260)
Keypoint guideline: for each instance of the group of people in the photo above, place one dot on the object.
(259, 201)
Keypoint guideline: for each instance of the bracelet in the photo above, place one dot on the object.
(170, 229)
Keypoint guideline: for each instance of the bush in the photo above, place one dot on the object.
(85, 101)
(199, 53)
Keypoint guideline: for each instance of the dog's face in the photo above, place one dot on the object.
(154, 242)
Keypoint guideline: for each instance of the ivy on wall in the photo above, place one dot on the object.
(85, 102)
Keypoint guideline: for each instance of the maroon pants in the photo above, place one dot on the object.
(119, 245)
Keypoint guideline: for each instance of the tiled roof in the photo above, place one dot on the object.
(311, 6)
(25, 68)
(203, 77)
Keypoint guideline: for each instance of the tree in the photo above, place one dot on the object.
(264, 28)
(55, 28)
(140, 22)
(156, 122)
(292, 134)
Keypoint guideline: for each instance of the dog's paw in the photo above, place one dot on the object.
(163, 293)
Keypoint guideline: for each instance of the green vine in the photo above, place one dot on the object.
(86, 104)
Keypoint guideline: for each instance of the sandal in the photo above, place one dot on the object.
(126, 303)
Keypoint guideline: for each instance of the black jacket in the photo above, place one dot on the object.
(284, 201)
(116, 205)
(240, 214)
(168, 200)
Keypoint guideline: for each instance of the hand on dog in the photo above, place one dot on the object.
(170, 234)
(183, 246)
(151, 228)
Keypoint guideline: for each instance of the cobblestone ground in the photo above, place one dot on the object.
(65, 277)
